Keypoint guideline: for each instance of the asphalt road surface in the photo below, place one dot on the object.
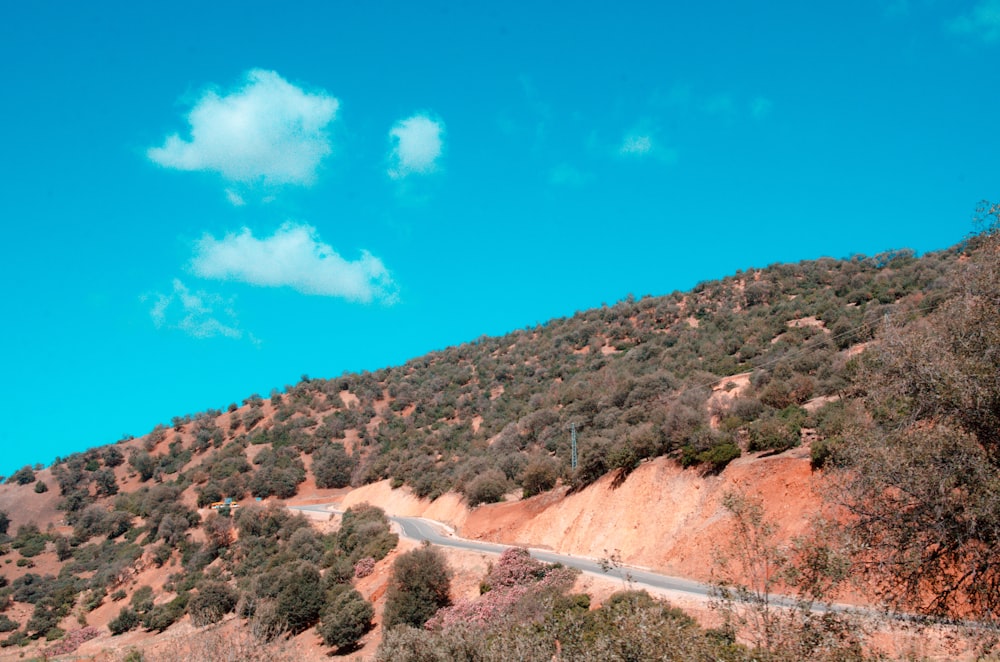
(419, 529)
(436, 533)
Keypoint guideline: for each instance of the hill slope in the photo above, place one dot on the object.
(758, 362)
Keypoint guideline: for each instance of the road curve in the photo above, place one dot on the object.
(420, 529)
(437, 533)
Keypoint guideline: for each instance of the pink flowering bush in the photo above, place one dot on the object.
(515, 585)
(364, 567)
(72, 641)
(515, 568)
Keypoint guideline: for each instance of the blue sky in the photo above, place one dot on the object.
(206, 200)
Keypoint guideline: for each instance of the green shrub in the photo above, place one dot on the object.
(719, 456)
(17, 638)
(64, 549)
(160, 617)
(346, 620)
(126, 620)
(539, 476)
(364, 532)
(22, 476)
(332, 466)
(30, 541)
(6, 624)
(213, 601)
(419, 587)
(772, 434)
(593, 464)
(301, 600)
(822, 451)
(142, 599)
(487, 487)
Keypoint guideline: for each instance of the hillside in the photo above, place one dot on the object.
(675, 400)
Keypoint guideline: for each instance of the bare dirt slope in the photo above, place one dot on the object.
(661, 516)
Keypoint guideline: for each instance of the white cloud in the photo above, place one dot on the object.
(416, 146)
(643, 142)
(983, 20)
(196, 313)
(235, 198)
(634, 145)
(266, 130)
(293, 257)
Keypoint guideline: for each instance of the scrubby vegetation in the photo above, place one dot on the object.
(419, 588)
(924, 479)
(526, 612)
(885, 365)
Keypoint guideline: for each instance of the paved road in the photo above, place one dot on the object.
(419, 529)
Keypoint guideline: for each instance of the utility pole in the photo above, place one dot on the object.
(573, 445)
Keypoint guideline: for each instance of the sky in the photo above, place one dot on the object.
(202, 201)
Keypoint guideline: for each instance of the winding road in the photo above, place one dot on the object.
(436, 533)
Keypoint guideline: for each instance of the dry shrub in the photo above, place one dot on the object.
(231, 642)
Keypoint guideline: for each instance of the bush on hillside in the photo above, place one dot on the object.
(364, 532)
(213, 601)
(301, 601)
(332, 466)
(126, 620)
(419, 587)
(346, 620)
(539, 476)
(22, 476)
(488, 487)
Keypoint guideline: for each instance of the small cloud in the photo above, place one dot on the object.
(760, 107)
(566, 175)
(636, 146)
(196, 313)
(235, 198)
(416, 146)
(293, 257)
(266, 130)
(642, 142)
(983, 21)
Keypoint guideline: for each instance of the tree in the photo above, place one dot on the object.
(126, 620)
(112, 456)
(219, 530)
(106, 483)
(487, 487)
(539, 476)
(346, 620)
(213, 601)
(332, 466)
(22, 476)
(924, 482)
(301, 600)
(419, 586)
(753, 563)
(4, 523)
(143, 463)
